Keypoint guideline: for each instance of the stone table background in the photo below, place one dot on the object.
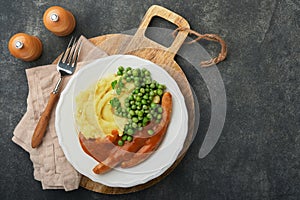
(258, 154)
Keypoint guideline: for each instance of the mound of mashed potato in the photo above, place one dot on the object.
(94, 114)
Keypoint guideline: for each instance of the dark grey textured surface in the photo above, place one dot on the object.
(258, 154)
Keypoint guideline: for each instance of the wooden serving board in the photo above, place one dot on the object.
(143, 47)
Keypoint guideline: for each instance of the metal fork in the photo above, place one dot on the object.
(66, 66)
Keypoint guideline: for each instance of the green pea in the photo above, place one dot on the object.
(140, 94)
(158, 116)
(119, 73)
(135, 72)
(124, 137)
(129, 72)
(138, 107)
(138, 103)
(140, 113)
(134, 125)
(146, 96)
(147, 73)
(131, 97)
(145, 107)
(148, 81)
(128, 79)
(159, 92)
(125, 127)
(129, 138)
(138, 98)
(128, 68)
(137, 83)
(145, 120)
(130, 131)
(120, 143)
(153, 105)
(140, 117)
(132, 102)
(150, 132)
(159, 110)
(142, 90)
(127, 104)
(121, 68)
(131, 112)
(133, 107)
(149, 116)
(135, 119)
(162, 87)
(142, 74)
(152, 85)
(144, 101)
(150, 99)
(151, 93)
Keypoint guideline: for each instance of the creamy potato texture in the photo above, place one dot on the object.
(94, 114)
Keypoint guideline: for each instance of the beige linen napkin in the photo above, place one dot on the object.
(49, 163)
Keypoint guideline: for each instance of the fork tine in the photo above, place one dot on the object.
(62, 56)
(77, 53)
(71, 48)
(71, 60)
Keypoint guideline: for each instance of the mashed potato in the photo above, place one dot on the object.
(94, 114)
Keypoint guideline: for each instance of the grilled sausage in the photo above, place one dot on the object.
(141, 142)
(153, 143)
(118, 154)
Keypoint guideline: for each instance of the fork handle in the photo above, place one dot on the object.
(42, 125)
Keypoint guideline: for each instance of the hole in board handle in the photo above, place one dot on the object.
(160, 31)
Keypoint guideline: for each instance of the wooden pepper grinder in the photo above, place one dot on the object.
(25, 47)
(59, 21)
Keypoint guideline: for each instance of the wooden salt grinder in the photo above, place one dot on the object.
(59, 21)
(25, 47)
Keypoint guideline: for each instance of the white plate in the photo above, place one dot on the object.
(155, 165)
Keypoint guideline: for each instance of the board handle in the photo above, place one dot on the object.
(170, 16)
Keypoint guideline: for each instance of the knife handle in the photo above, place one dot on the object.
(42, 125)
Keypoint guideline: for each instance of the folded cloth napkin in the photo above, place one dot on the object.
(49, 163)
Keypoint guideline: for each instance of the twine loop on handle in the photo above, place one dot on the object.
(211, 37)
